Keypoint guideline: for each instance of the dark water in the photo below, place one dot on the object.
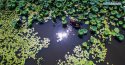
(116, 52)
(57, 50)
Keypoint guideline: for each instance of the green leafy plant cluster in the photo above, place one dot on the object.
(85, 54)
(93, 10)
(82, 31)
(17, 45)
(103, 20)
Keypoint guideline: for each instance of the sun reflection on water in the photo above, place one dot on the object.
(63, 34)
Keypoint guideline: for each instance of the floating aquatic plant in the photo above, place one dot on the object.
(98, 16)
(116, 30)
(120, 37)
(93, 28)
(120, 22)
(64, 22)
(17, 45)
(82, 31)
(123, 26)
(82, 56)
(95, 9)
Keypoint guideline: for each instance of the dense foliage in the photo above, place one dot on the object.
(17, 45)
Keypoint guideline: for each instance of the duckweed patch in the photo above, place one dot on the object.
(16, 45)
(85, 54)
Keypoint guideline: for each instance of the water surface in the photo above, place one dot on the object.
(58, 49)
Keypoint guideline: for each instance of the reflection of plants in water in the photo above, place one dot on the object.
(16, 45)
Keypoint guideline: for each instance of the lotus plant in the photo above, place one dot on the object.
(64, 21)
(123, 26)
(120, 37)
(82, 31)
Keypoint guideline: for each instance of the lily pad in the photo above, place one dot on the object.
(123, 26)
(120, 37)
(82, 31)
(95, 9)
(93, 28)
(116, 30)
(64, 21)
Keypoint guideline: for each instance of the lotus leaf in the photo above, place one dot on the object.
(95, 9)
(81, 17)
(116, 30)
(120, 37)
(93, 28)
(103, 11)
(118, 15)
(114, 12)
(123, 26)
(120, 22)
(82, 31)
(101, 19)
(64, 21)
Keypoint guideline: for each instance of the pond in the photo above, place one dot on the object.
(64, 40)
(62, 32)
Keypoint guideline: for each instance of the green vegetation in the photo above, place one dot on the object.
(93, 28)
(64, 21)
(82, 54)
(116, 30)
(123, 26)
(82, 31)
(17, 45)
(120, 37)
(17, 36)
